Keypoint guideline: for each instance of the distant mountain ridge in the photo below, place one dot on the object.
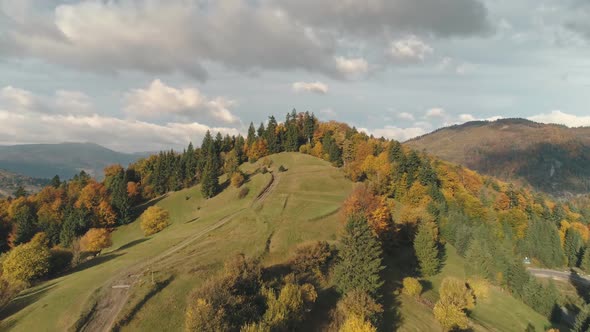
(551, 158)
(64, 159)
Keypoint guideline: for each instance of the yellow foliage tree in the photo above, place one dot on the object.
(96, 239)
(480, 287)
(455, 291)
(201, 316)
(237, 179)
(450, 316)
(357, 324)
(412, 287)
(27, 261)
(154, 219)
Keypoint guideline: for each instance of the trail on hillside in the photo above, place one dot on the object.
(115, 292)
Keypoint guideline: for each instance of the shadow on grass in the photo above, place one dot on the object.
(24, 299)
(400, 263)
(190, 221)
(139, 209)
(131, 244)
(581, 285)
(93, 262)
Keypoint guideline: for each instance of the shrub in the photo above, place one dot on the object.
(27, 261)
(263, 170)
(450, 316)
(359, 304)
(412, 287)
(60, 260)
(312, 261)
(96, 239)
(154, 219)
(480, 287)
(237, 179)
(357, 324)
(243, 192)
(282, 168)
(267, 162)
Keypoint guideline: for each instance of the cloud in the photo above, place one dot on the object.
(410, 49)
(353, 67)
(578, 18)
(466, 117)
(159, 99)
(436, 112)
(165, 37)
(62, 102)
(559, 117)
(368, 18)
(315, 87)
(392, 132)
(329, 113)
(406, 116)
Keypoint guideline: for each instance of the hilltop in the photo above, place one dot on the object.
(10, 181)
(64, 159)
(551, 158)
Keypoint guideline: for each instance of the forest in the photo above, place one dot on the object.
(403, 199)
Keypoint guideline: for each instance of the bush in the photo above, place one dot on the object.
(312, 262)
(267, 162)
(263, 170)
(60, 260)
(412, 287)
(243, 192)
(357, 303)
(480, 288)
(237, 179)
(27, 261)
(7, 292)
(282, 168)
(154, 219)
(357, 324)
(96, 239)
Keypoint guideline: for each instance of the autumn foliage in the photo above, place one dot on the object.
(154, 220)
(96, 239)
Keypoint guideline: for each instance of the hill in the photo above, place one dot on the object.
(65, 159)
(10, 181)
(281, 211)
(551, 158)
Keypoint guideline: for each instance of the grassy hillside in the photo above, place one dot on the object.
(301, 206)
(65, 159)
(551, 158)
(281, 211)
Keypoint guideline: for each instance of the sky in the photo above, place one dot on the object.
(145, 75)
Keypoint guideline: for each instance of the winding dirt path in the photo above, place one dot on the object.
(116, 290)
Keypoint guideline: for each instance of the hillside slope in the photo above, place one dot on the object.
(65, 159)
(551, 158)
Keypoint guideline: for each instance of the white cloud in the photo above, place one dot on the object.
(466, 117)
(62, 102)
(410, 49)
(315, 87)
(159, 99)
(435, 112)
(562, 118)
(406, 116)
(392, 132)
(353, 67)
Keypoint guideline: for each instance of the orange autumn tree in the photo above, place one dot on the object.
(94, 198)
(96, 239)
(374, 208)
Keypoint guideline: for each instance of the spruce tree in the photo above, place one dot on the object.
(572, 246)
(585, 263)
(360, 264)
(251, 135)
(25, 220)
(55, 182)
(209, 180)
(426, 249)
(120, 198)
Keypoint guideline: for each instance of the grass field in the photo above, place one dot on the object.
(302, 207)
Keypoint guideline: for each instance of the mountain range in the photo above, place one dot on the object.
(64, 159)
(551, 158)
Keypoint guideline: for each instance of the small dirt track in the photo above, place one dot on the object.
(115, 292)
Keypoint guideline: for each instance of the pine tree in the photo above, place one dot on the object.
(26, 224)
(585, 263)
(209, 181)
(426, 249)
(308, 126)
(271, 136)
(572, 246)
(582, 323)
(360, 261)
(251, 135)
(55, 182)
(120, 198)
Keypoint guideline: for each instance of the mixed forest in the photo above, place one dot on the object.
(403, 199)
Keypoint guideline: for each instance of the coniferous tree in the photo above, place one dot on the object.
(582, 323)
(585, 262)
(210, 181)
(25, 221)
(251, 135)
(573, 247)
(426, 249)
(271, 136)
(545, 233)
(261, 130)
(55, 181)
(120, 198)
(19, 192)
(360, 264)
(308, 126)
